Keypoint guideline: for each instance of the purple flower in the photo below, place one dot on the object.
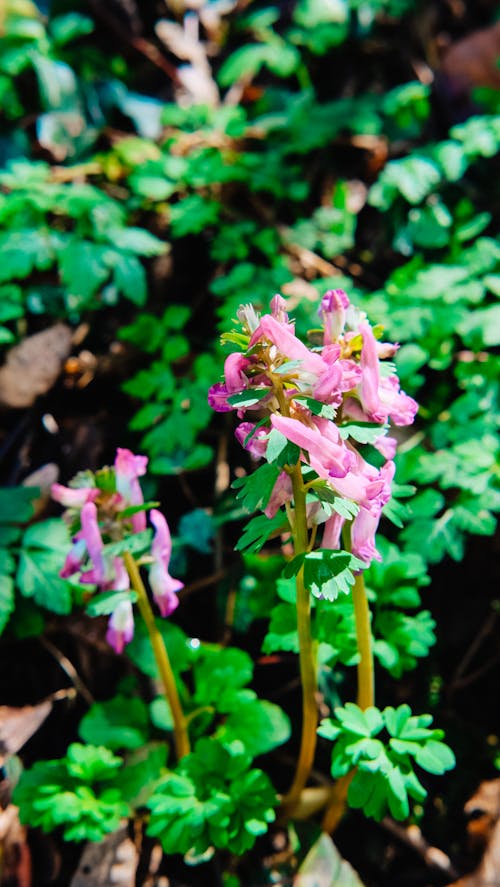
(128, 469)
(163, 585)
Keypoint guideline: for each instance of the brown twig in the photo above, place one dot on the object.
(412, 837)
(68, 667)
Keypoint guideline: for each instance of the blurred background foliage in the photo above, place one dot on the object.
(163, 162)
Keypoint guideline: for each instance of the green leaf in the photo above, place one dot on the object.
(82, 267)
(120, 722)
(326, 573)
(255, 489)
(362, 432)
(197, 529)
(193, 214)
(143, 771)
(140, 651)
(435, 757)
(16, 504)
(248, 398)
(37, 577)
(137, 241)
(258, 724)
(129, 278)
(6, 600)
(259, 530)
(219, 670)
(105, 603)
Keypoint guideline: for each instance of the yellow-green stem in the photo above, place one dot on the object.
(181, 739)
(307, 657)
(366, 695)
(366, 686)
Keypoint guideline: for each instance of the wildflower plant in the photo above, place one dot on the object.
(320, 416)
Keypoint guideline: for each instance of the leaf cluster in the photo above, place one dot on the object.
(384, 777)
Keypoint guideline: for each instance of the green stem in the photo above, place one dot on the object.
(366, 685)
(366, 695)
(307, 656)
(181, 739)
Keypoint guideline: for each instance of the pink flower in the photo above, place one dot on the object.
(256, 444)
(217, 398)
(91, 535)
(320, 439)
(75, 558)
(120, 626)
(370, 379)
(163, 585)
(282, 492)
(235, 382)
(128, 469)
(287, 343)
(234, 372)
(328, 388)
(333, 314)
(332, 531)
(278, 309)
(73, 497)
(365, 524)
(401, 408)
(381, 398)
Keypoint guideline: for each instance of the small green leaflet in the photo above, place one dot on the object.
(331, 502)
(255, 489)
(259, 530)
(248, 398)
(326, 572)
(325, 410)
(362, 432)
(384, 778)
(121, 722)
(280, 450)
(105, 603)
(136, 544)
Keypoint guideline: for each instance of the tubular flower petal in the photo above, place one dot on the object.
(332, 531)
(163, 585)
(278, 309)
(331, 458)
(120, 626)
(370, 379)
(73, 497)
(333, 314)
(287, 343)
(91, 534)
(281, 493)
(75, 559)
(256, 444)
(128, 469)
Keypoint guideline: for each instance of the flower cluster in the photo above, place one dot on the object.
(105, 508)
(325, 399)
